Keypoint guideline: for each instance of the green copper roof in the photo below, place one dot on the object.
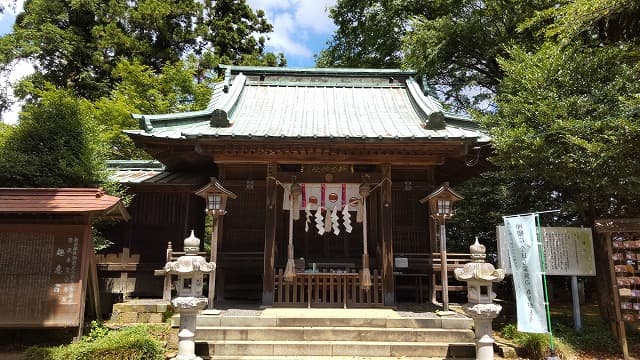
(262, 102)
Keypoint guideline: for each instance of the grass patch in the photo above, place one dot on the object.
(536, 346)
(594, 338)
(139, 342)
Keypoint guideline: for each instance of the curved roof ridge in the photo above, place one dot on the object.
(220, 100)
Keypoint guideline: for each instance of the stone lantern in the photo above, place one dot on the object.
(480, 277)
(190, 270)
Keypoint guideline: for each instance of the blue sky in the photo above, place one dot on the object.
(300, 27)
(300, 30)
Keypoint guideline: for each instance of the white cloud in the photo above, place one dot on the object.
(295, 24)
(315, 16)
(11, 9)
(17, 71)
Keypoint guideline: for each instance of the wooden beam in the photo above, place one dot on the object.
(245, 158)
(268, 277)
(386, 220)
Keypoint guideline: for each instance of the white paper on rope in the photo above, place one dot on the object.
(332, 197)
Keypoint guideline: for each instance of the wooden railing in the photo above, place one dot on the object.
(317, 289)
(427, 266)
(454, 261)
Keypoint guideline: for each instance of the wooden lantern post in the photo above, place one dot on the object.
(440, 204)
(216, 197)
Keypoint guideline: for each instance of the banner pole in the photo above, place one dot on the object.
(544, 283)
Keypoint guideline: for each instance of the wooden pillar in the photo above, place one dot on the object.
(268, 277)
(386, 235)
(216, 230)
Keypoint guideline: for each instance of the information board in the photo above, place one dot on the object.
(567, 251)
(42, 271)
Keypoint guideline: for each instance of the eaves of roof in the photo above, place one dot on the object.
(85, 201)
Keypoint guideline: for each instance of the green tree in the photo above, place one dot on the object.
(368, 34)
(55, 144)
(569, 112)
(226, 28)
(460, 47)
(455, 43)
(78, 44)
(141, 90)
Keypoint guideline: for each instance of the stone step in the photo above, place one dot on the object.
(339, 348)
(311, 357)
(336, 334)
(453, 322)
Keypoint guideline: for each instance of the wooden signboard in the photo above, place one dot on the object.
(568, 251)
(43, 275)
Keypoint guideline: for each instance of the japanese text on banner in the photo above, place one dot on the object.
(527, 273)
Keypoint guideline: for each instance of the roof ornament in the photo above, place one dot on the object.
(435, 121)
(219, 119)
(145, 124)
(473, 161)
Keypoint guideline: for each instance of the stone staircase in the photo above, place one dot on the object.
(334, 334)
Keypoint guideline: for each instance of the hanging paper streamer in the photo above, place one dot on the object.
(334, 220)
(346, 219)
(319, 221)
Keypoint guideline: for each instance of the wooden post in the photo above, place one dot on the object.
(387, 241)
(94, 293)
(216, 224)
(620, 329)
(124, 276)
(166, 292)
(271, 212)
(444, 271)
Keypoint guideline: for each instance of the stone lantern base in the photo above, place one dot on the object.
(188, 308)
(483, 315)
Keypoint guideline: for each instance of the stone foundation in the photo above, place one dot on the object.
(140, 311)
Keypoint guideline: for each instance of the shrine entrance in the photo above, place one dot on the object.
(328, 239)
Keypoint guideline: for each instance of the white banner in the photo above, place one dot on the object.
(527, 273)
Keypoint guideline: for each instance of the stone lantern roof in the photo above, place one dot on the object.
(190, 262)
(478, 269)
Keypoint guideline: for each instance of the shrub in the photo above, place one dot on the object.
(536, 346)
(130, 343)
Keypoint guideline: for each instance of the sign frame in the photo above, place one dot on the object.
(574, 239)
(63, 299)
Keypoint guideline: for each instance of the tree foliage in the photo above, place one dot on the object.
(78, 44)
(459, 48)
(367, 34)
(456, 43)
(569, 111)
(56, 144)
(140, 90)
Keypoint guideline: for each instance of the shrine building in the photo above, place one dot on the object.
(323, 171)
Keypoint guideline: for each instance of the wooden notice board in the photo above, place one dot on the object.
(43, 271)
